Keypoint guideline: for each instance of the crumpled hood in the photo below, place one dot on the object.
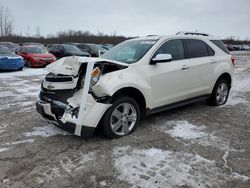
(70, 65)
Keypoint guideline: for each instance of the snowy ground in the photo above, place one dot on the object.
(193, 146)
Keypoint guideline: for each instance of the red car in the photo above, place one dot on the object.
(35, 56)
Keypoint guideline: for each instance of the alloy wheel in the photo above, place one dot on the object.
(222, 93)
(123, 119)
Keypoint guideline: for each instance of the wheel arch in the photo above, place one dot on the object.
(135, 94)
(225, 76)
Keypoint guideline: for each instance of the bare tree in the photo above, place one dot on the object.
(37, 31)
(6, 22)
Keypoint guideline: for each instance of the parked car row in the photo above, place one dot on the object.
(38, 55)
(231, 47)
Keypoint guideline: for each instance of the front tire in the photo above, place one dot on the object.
(121, 118)
(220, 93)
(29, 63)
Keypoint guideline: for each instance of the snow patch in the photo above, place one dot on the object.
(235, 98)
(185, 130)
(2, 127)
(46, 131)
(3, 149)
(241, 85)
(18, 93)
(159, 168)
(26, 72)
(18, 142)
(28, 103)
(103, 183)
(194, 134)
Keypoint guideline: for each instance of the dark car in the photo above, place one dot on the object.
(63, 50)
(93, 49)
(48, 46)
(107, 46)
(9, 60)
(10, 45)
(230, 47)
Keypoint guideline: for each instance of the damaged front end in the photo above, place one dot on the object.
(66, 96)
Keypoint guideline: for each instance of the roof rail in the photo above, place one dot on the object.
(192, 33)
(151, 35)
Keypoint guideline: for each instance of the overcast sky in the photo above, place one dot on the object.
(132, 17)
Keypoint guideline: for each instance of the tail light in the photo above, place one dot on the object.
(233, 59)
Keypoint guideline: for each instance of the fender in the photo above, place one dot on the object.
(221, 68)
(112, 82)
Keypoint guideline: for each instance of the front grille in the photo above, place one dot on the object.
(45, 59)
(58, 95)
(58, 78)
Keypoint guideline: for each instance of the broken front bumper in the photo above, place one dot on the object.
(66, 119)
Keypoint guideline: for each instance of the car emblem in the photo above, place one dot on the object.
(50, 87)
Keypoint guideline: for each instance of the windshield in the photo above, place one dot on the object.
(5, 50)
(96, 47)
(9, 45)
(71, 48)
(36, 50)
(129, 51)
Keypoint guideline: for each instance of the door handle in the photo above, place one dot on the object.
(213, 61)
(184, 67)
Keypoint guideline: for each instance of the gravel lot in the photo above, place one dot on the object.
(193, 146)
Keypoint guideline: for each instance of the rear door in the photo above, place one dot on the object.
(200, 66)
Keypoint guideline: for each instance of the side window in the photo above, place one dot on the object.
(173, 47)
(22, 50)
(221, 45)
(17, 50)
(60, 48)
(84, 47)
(210, 51)
(197, 48)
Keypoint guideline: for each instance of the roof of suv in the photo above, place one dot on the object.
(179, 35)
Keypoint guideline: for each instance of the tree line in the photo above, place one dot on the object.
(68, 36)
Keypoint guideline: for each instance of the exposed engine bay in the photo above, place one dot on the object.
(69, 78)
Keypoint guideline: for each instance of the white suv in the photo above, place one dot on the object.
(134, 79)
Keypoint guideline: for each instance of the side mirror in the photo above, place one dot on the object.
(161, 58)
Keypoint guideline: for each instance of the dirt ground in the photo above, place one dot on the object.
(192, 146)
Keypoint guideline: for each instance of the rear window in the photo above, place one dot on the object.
(197, 48)
(221, 45)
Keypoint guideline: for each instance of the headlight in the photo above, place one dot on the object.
(36, 58)
(95, 75)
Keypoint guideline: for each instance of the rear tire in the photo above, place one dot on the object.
(121, 118)
(220, 93)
